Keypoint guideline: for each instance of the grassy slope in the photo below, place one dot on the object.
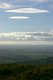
(26, 72)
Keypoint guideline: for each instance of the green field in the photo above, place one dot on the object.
(26, 72)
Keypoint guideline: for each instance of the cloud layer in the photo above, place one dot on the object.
(12, 1)
(27, 10)
(40, 0)
(27, 36)
(23, 1)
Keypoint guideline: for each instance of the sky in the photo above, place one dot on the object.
(30, 20)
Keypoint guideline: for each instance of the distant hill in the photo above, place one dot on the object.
(48, 60)
(27, 59)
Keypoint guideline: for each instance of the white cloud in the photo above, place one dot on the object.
(27, 10)
(27, 36)
(19, 17)
(6, 6)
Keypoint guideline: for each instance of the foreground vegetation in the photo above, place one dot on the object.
(26, 72)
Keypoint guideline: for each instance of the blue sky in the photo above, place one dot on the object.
(26, 16)
(36, 22)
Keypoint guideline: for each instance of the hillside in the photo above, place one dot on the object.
(26, 72)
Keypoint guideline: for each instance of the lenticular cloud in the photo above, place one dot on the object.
(27, 10)
(19, 17)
